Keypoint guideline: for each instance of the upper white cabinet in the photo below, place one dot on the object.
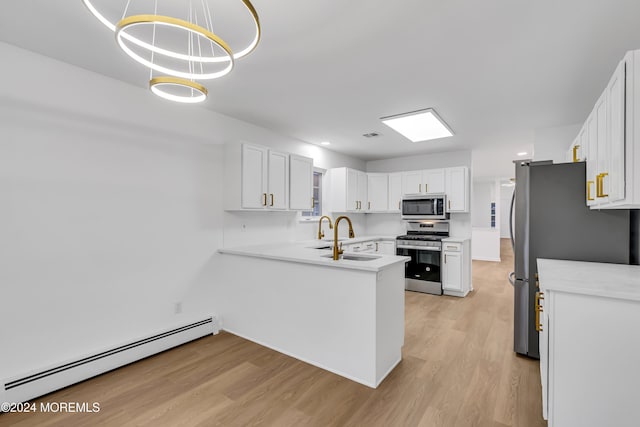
(277, 188)
(258, 178)
(457, 189)
(348, 190)
(423, 181)
(383, 192)
(609, 141)
(378, 192)
(395, 192)
(300, 183)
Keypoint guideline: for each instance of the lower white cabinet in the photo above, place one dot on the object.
(589, 314)
(386, 247)
(456, 267)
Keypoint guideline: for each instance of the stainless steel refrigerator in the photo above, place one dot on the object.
(550, 219)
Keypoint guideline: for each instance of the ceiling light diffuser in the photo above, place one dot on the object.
(422, 125)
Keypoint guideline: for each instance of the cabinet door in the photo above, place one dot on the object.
(386, 247)
(300, 183)
(589, 137)
(362, 191)
(278, 180)
(395, 192)
(353, 201)
(254, 176)
(378, 192)
(457, 189)
(598, 135)
(412, 182)
(452, 271)
(614, 181)
(433, 180)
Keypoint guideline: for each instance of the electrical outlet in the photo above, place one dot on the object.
(177, 308)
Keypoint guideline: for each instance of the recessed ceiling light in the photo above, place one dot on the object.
(522, 153)
(417, 126)
(325, 143)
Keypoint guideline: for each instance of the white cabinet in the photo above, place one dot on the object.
(456, 267)
(395, 192)
(277, 186)
(423, 181)
(386, 247)
(378, 192)
(348, 190)
(254, 176)
(457, 189)
(300, 183)
(382, 247)
(610, 143)
(265, 178)
(258, 178)
(589, 343)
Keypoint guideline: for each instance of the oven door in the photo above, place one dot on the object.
(423, 272)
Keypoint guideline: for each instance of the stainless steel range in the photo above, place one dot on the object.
(423, 243)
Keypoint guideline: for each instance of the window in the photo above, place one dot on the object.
(317, 196)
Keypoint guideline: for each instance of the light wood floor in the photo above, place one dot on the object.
(458, 369)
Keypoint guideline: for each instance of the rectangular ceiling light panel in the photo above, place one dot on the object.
(418, 126)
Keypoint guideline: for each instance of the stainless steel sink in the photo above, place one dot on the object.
(354, 257)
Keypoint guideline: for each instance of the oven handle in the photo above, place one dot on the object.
(421, 248)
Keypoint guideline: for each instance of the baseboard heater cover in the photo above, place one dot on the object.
(44, 381)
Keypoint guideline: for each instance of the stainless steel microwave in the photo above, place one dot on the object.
(425, 206)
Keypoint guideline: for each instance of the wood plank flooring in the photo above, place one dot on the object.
(458, 369)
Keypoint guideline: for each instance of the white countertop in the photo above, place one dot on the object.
(455, 239)
(590, 278)
(305, 252)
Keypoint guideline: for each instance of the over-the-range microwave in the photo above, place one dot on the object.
(425, 206)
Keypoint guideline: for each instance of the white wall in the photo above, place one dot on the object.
(481, 198)
(111, 209)
(505, 209)
(553, 143)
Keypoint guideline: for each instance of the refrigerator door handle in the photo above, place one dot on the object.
(513, 202)
(512, 278)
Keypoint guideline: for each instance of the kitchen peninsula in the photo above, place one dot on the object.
(345, 316)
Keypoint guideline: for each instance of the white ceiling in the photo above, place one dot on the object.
(494, 70)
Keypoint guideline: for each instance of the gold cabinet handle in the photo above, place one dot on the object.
(589, 184)
(398, 204)
(445, 258)
(426, 188)
(538, 307)
(313, 203)
(575, 153)
(271, 199)
(369, 206)
(600, 185)
(376, 246)
(419, 188)
(264, 199)
(449, 204)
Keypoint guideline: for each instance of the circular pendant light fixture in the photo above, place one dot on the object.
(178, 90)
(181, 39)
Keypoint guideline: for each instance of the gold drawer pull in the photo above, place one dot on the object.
(600, 184)
(539, 309)
(589, 184)
(575, 153)
(264, 199)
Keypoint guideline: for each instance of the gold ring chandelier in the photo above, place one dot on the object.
(180, 39)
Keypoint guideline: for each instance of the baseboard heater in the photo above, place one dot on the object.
(44, 381)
